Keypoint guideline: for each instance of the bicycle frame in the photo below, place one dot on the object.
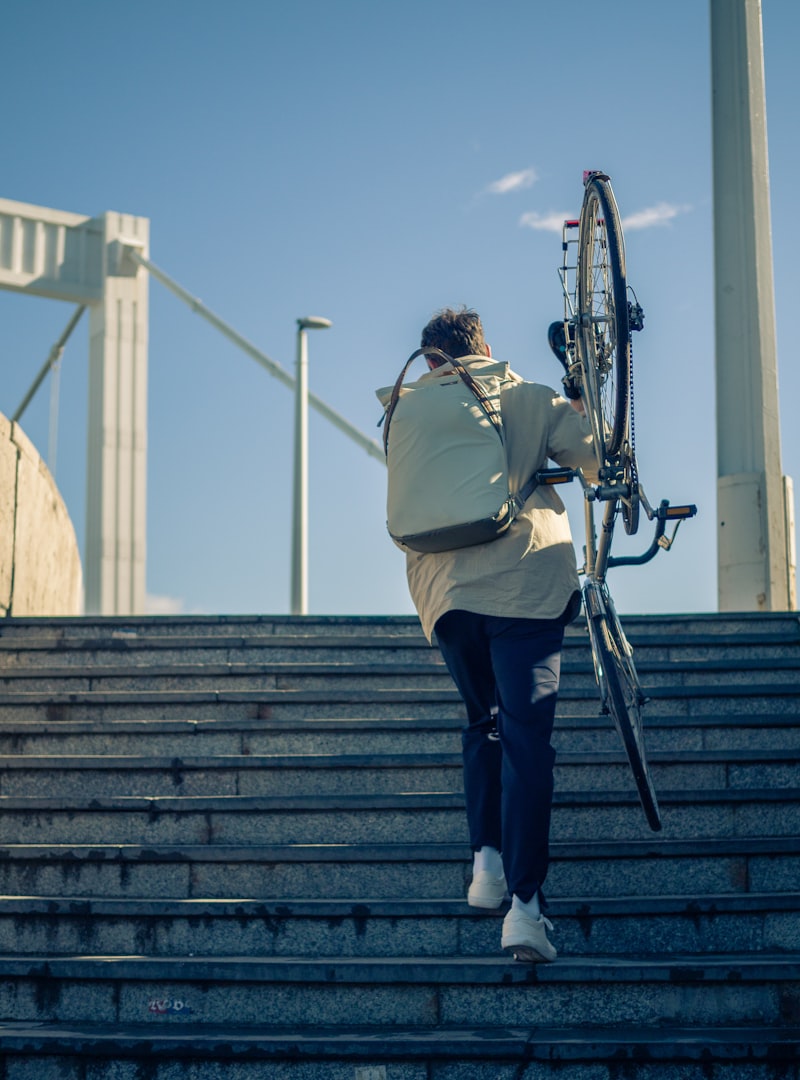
(597, 552)
(598, 319)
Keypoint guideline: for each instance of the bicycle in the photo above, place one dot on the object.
(594, 345)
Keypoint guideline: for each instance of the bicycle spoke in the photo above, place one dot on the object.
(604, 322)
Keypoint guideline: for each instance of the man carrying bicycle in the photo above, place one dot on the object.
(498, 611)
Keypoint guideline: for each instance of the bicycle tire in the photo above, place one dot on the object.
(622, 695)
(604, 331)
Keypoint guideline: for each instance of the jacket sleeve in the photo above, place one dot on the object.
(570, 438)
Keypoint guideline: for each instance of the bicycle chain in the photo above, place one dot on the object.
(632, 438)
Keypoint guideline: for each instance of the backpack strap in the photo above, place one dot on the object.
(525, 492)
(484, 401)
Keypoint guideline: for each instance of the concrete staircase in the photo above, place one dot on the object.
(235, 847)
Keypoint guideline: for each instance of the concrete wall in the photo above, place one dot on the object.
(40, 566)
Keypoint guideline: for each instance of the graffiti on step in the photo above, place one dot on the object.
(169, 1007)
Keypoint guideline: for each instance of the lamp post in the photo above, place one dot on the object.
(299, 597)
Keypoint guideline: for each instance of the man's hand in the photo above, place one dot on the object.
(572, 390)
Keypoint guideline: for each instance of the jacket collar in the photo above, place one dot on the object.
(478, 365)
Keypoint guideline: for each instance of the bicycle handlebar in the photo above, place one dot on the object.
(661, 515)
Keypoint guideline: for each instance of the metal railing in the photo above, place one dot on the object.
(373, 448)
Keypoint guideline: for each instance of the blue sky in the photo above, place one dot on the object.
(371, 162)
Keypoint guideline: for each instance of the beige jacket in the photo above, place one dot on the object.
(530, 571)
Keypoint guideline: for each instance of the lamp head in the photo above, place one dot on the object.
(314, 322)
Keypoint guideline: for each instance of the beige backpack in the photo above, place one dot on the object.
(445, 451)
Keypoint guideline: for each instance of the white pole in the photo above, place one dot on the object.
(299, 597)
(754, 571)
(116, 455)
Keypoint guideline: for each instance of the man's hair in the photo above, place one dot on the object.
(457, 333)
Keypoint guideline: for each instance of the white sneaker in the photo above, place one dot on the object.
(486, 890)
(526, 937)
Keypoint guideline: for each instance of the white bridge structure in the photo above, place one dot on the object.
(79, 259)
(102, 263)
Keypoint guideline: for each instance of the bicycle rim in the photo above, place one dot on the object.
(623, 696)
(603, 313)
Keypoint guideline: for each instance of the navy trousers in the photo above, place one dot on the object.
(507, 671)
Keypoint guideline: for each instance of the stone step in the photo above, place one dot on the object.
(60, 630)
(191, 1051)
(754, 698)
(650, 867)
(135, 650)
(669, 676)
(369, 774)
(398, 817)
(120, 628)
(418, 991)
(261, 830)
(583, 926)
(250, 736)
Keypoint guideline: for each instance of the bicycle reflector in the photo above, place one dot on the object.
(555, 476)
(680, 511)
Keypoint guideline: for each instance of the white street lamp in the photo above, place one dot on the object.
(299, 598)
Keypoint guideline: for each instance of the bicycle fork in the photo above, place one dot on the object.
(595, 609)
(599, 609)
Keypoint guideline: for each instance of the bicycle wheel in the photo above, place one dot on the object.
(622, 695)
(603, 315)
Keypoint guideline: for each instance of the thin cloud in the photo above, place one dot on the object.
(551, 222)
(163, 605)
(651, 217)
(660, 214)
(513, 181)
